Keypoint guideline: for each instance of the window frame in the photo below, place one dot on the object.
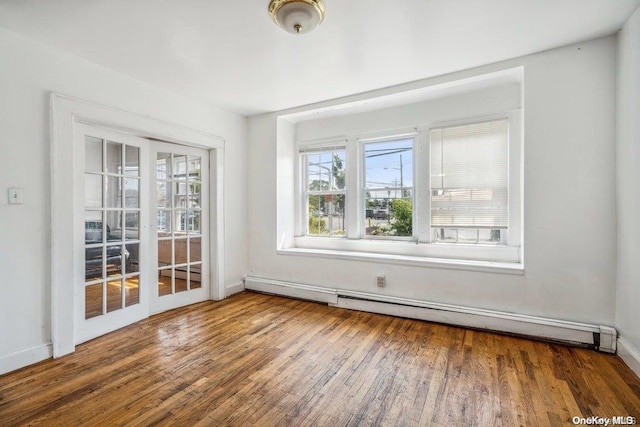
(302, 149)
(320, 193)
(514, 173)
(421, 248)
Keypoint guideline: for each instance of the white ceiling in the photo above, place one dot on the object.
(230, 54)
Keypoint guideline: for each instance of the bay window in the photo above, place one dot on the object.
(442, 191)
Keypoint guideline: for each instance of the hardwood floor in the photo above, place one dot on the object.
(263, 360)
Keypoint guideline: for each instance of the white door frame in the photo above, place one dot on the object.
(66, 111)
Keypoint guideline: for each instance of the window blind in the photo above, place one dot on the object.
(470, 176)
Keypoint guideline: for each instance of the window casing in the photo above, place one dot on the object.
(492, 234)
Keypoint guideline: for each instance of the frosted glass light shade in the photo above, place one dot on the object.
(297, 16)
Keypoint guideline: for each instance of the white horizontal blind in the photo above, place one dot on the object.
(470, 176)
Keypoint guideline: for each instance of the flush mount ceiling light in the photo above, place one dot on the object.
(297, 16)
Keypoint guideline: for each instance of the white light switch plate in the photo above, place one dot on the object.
(15, 196)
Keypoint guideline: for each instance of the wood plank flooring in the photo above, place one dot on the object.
(263, 360)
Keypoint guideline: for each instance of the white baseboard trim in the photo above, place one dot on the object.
(630, 355)
(293, 290)
(233, 289)
(600, 337)
(26, 357)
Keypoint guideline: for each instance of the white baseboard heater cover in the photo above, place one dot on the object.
(602, 338)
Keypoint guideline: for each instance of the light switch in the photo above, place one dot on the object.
(15, 196)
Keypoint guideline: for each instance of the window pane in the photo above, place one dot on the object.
(114, 157)
(194, 201)
(92, 154)
(132, 257)
(326, 170)
(163, 223)
(338, 171)
(132, 225)
(313, 172)
(92, 190)
(194, 168)
(131, 193)
(93, 263)
(93, 301)
(164, 282)
(93, 227)
(163, 194)
(114, 257)
(324, 165)
(195, 247)
(390, 216)
(181, 280)
(389, 164)
(180, 221)
(132, 159)
(195, 188)
(114, 195)
(194, 222)
(181, 251)
(114, 295)
(195, 281)
(180, 195)
(180, 167)
(165, 253)
(114, 225)
(470, 235)
(132, 291)
(163, 166)
(326, 215)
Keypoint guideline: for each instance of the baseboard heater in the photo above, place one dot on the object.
(601, 338)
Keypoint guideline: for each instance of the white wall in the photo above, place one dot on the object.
(569, 199)
(29, 71)
(628, 186)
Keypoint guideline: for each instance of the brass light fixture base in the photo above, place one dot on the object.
(297, 16)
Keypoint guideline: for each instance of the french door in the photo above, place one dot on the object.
(141, 229)
(181, 177)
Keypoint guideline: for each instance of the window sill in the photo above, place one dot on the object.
(456, 257)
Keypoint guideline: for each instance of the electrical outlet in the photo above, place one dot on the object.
(381, 281)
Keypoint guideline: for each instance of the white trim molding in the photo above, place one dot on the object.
(399, 259)
(25, 357)
(233, 289)
(602, 338)
(629, 354)
(293, 290)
